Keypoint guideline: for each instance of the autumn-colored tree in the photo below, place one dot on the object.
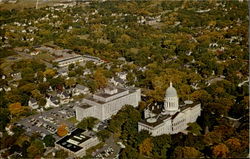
(62, 130)
(243, 136)
(186, 152)
(35, 149)
(233, 144)
(142, 105)
(146, 147)
(49, 73)
(16, 108)
(36, 94)
(220, 150)
(201, 96)
(100, 79)
(212, 137)
(28, 87)
(70, 82)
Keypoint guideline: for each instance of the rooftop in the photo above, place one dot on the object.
(85, 106)
(72, 142)
(68, 57)
(162, 117)
(106, 95)
(79, 86)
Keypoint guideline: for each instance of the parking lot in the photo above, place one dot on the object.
(110, 149)
(47, 122)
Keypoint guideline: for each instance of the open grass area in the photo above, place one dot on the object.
(45, 56)
(6, 67)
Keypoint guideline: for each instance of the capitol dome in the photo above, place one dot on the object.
(171, 91)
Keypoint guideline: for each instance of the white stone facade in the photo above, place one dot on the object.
(172, 117)
(103, 105)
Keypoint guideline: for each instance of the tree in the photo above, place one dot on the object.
(16, 109)
(35, 149)
(43, 87)
(61, 154)
(194, 128)
(186, 152)
(49, 141)
(220, 150)
(71, 66)
(40, 76)
(100, 79)
(36, 94)
(103, 134)
(62, 130)
(4, 118)
(213, 138)
(234, 145)
(201, 96)
(161, 145)
(15, 148)
(146, 147)
(70, 82)
(42, 102)
(49, 73)
(129, 152)
(87, 123)
(27, 88)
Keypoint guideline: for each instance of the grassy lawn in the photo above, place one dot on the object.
(45, 56)
(6, 66)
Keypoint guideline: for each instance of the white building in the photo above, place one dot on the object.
(77, 142)
(95, 60)
(105, 103)
(67, 60)
(172, 117)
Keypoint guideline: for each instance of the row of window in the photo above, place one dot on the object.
(69, 62)
(170, 105)
(180, 121)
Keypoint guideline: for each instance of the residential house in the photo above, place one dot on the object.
(33, 103)
(80, 89)
(64, 97)
(53, 101)
(16, 75)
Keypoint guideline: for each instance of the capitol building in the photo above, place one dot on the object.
(170, 118)
(107, 102)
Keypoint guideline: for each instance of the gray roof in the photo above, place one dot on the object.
(79, 86)
(118, 79)
(65, 94)
(55, 100)
(162, 117)
(33, 100)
